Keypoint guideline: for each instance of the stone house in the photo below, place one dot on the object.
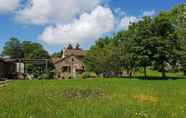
(70, 64)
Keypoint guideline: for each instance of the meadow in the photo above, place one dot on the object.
(99, 98)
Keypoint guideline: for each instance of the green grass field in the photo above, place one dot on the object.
(153, 73)
(101, 98)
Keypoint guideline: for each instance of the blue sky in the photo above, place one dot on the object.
(21, 23)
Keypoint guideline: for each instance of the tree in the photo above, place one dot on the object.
(36, 51)
(178, 19)
(124, 56)
(166, 43)
(142, 47)
(98, 58)
(153, 41)
(13, 48)
(57, 54)
(110, 56)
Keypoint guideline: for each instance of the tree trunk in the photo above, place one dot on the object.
(184, 72)
(130, 74)
(145, 72)
(163, 74)
(163, 71)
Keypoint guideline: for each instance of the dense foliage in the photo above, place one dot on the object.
(156, 42)
(13, 48)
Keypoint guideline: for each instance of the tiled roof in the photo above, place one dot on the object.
(75, 52)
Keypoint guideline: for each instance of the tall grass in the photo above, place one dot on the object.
(101, 98)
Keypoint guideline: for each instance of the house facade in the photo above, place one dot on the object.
(70, 64)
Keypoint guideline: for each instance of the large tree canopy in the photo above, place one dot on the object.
(13, 48)
(178, 17)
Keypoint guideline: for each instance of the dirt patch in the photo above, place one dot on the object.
(83, 93)
(146, 98)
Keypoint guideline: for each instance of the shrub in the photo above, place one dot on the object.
(89, 75)
(43, 76)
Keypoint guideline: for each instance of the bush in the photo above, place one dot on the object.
(43, 76)
(48, 75)
(89, 75)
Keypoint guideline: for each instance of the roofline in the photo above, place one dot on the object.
(64, 58)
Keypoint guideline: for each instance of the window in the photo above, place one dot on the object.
(66, 69)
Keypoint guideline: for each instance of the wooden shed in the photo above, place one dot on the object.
(10, 69)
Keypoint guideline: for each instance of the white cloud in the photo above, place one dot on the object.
(74, 21)
(8, 5)
(47, 11)
(126, 21)
(149, 13)
(87, 27)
